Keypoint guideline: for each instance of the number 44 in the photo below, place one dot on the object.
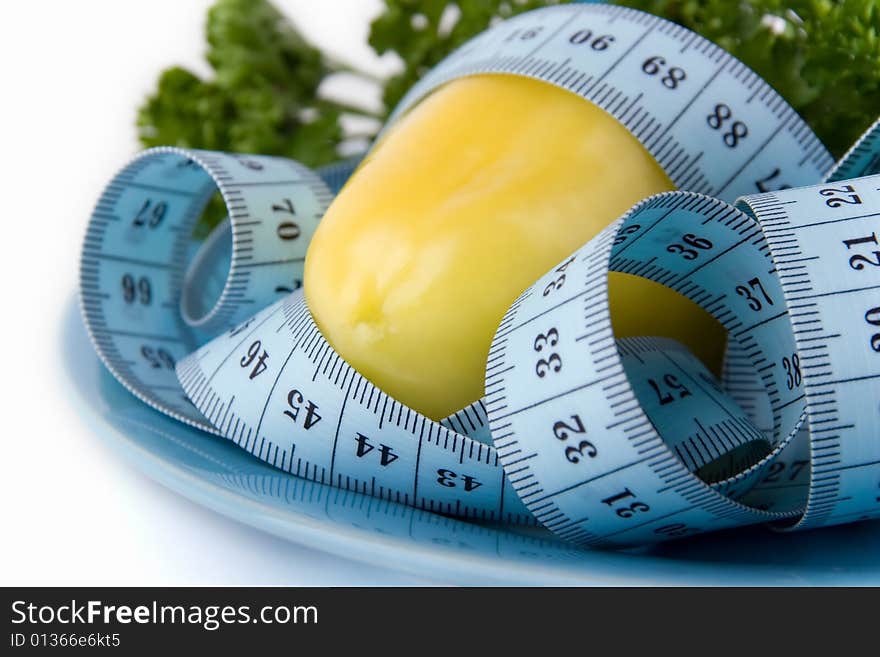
(386, 454)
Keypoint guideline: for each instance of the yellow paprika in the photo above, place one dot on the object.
(472, 195)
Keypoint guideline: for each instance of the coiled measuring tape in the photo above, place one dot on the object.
(606, 442)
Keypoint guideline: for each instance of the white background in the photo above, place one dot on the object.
(72, 75)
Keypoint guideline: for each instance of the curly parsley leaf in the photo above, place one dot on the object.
(823, 56)
(262, 98)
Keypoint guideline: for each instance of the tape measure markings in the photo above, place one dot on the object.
(274, 385)
(311, 361)
(822, 370)
(715, 213)
(719, 436)
(622, 93)
(178, 184)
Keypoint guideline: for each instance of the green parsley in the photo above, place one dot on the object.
(823, 56)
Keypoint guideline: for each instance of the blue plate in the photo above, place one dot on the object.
(216, 474)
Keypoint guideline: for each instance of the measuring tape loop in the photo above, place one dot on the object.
(604, 441)
(143, 309)
(295, 384)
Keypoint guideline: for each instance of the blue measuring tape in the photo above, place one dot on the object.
(606, 442)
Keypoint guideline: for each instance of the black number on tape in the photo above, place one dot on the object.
(294, 399)
(601, 42)
(792, 367)
(256, 358)
(763, 184)
(840, 196)
(621, 505)
(553, 362)
(672, 75)
(564, 430)
(667, 394)
(557, 284)
(690, 240)
(364, 447)
(287, 230)
(157, 358)
(737, 131)
(150, 215)
(873, 318)
(450, 479)
(754, 285)
(777, 468)
(626, 233)
(140, 290)
(859, 261)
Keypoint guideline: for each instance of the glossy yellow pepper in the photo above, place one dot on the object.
(475, 193)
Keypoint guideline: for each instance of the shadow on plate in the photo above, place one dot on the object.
(220, 476)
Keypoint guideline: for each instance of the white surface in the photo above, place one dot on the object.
(73, 513)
